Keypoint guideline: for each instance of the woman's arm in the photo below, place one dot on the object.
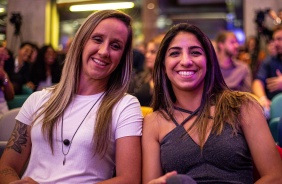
(128, 161)
(16, 153)
(151, 165)
(261, 144)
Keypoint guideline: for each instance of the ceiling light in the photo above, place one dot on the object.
(101, 6)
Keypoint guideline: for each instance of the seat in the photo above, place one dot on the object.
(275, 114)
(19, 99)
(279, 131)
(276, 106)
(146, 110)
(273, 126)
(7, 123)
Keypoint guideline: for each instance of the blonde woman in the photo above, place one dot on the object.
(86, 129)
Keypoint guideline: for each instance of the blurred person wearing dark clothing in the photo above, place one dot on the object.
(138, 61)
(46, 69)
(252, 54)
(142, 85)
(6, 87)
(18, 70)
(268, 81)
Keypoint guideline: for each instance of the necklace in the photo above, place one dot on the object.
(68, 142)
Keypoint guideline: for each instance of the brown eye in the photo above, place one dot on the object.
(174, 53)
(196, 53)
(97, 39)
(115, 46)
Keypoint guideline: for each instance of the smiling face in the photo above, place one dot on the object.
(25, 52)
(50, 56)
(185, 62)
(103, 51)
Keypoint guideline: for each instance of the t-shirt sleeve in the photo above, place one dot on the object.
(30, 106)
(127, 117)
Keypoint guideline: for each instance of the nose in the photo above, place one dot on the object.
(186, 60)
(103, 50)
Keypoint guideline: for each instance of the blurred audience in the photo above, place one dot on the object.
(142, 85)
(46, 70)
(268, 81)
(236, 74)
(35, 50)
(138, 61)
(6, 87)
(252, 54)
(18, 69)
(270, 48)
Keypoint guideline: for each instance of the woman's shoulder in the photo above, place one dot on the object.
(128, 101)
(40, 95)
(154, 116)
(128, 97)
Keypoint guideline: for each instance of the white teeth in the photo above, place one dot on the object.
(99, 62)
(186, 73)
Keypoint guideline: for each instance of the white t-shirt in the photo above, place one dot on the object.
(81, 165)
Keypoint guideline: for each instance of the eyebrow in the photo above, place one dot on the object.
(191, 47)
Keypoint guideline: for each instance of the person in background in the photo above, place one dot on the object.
(6, 87)
(142, 85)
(199, 126)
(46, 70)
(271, 50)
(34, 54)
(236, 74)
(85, 129)
(252, 54)
(138, 62)
(268, 81)
(18, 70)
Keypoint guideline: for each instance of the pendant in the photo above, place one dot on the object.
(64, 160)
(66, 142)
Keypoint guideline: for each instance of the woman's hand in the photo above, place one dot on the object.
(162, 179)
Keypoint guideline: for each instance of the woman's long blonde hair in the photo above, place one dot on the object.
(64, 91)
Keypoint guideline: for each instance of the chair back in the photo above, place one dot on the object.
(7, 124)
(276, 106)
(19, 100)
(146, 110)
